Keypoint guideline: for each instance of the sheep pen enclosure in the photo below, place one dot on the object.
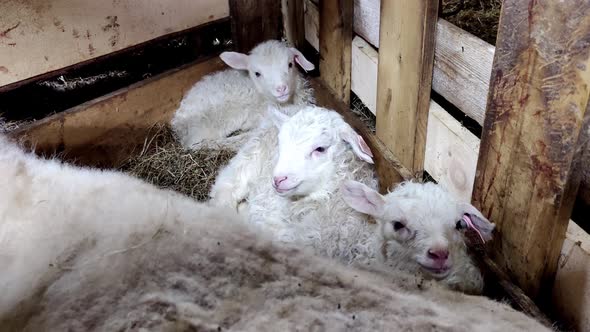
(505, 125)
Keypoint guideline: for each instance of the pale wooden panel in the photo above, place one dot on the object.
(406, 57)
(364, 72)
(39, 36)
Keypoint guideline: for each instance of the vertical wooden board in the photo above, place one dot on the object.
(39, 36)
(335, 46)
(312, 24)
(293, 21)
(255, 21)
(528, 169)
(406, 58)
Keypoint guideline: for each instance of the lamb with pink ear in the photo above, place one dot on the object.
(237, 98)
(422, 231)
(287, 180)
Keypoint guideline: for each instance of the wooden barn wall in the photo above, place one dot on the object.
(39, 36)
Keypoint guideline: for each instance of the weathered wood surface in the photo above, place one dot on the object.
(406, 57)
(255, 21)
(528, 166)
(39, 36)
(294, 21)
(390, 170)
(335, 38)
(104, 131)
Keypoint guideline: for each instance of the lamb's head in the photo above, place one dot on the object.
(311, 143)
(426, 222)
(271, 65)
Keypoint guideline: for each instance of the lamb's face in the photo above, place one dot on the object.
(424, 220)
(309, 144)
(271, 66)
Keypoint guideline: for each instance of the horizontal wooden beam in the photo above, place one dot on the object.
(40, 36)
(104, 131)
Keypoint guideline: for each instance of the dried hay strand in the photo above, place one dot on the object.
(164, 163)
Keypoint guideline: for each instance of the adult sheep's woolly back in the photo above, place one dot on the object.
(236, 99)
(85, 250)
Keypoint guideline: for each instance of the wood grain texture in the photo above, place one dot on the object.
(255, 21)
(406, 57)
(104, 131)
(528, 163)
(294, 21)
(38, 36)
(390, 170)
(335, 38)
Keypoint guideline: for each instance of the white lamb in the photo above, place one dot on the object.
(422, 229)
(236, 99)
(290, 182)
(86, 250)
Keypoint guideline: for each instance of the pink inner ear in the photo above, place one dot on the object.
(470, 224)
(364, 147)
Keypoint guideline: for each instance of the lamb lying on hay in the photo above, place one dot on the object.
(90, 250)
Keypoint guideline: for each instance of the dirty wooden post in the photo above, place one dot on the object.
(335, 46)
(528, 167)
(255, 21)
(406, 58)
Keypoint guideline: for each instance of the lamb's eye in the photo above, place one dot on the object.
(320, 149)
(257, 74)
(290, 64)
(398, 225)
(460, 224)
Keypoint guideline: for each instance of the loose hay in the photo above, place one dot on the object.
(164, 163)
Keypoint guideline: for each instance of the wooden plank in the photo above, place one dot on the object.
(255, 21)
(390, 170)
(335, 38)
(39, 36)
(294, 21)
(312, 24)
(103, 132)
(364, 72)
(404, 81)
(462, 68)
(528, 160)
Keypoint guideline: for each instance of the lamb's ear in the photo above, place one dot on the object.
(483, 225)
(362, 198)
(358, 144)
(277, 117)
(301, 60)
(235, 60)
